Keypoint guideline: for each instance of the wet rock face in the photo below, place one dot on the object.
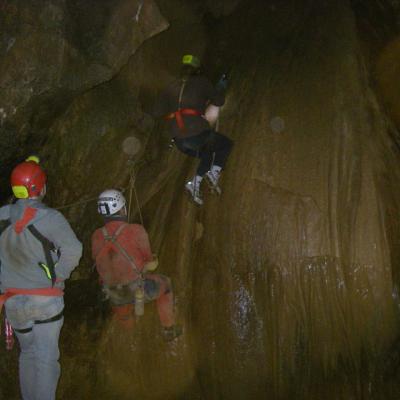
(286, 284)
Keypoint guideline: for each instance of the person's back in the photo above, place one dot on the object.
(38, 251)
(21, 252)
(124, 262)
(113, 267)
(191, 92)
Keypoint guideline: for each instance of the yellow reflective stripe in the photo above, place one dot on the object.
(46, 270)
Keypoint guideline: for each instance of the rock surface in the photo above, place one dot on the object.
(52, 51)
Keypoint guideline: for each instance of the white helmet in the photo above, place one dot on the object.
(110, 202)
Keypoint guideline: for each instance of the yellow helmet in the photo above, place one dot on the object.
(191, 60)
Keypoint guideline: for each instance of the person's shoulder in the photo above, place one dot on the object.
(46, 211)
(134, 225)
(136, 228)
(5, 211)
(98, 233)
(48, 218)
(6, 208)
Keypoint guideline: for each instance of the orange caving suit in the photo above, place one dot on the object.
(119, 277)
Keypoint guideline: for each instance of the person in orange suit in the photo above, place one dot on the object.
(124, 262)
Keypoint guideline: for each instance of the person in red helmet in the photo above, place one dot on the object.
(38, 251)
(124, 262)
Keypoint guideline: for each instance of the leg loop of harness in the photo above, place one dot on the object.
(26, 330)
(43, 321)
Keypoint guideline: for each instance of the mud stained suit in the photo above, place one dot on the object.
(119, 277)
(189, 129)
(33, 303)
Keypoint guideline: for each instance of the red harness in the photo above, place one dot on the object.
(10, 292)
(178, 116)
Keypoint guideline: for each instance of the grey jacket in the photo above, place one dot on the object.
(21, 253)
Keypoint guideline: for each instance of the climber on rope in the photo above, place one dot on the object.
(124, 262)
(38, 251)
(186, 104)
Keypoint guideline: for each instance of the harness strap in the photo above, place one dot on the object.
(48, 247)
(43, 321)
(114, 240)
(28, 215)
(26, 330)
(177, 115)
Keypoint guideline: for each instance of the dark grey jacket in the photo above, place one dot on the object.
(21, 253)
(197, 94)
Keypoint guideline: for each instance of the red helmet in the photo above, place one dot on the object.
(27, 180)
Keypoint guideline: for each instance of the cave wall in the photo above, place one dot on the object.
(54, 51)
(286, 284)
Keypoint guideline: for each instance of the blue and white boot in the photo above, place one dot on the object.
(193, 188)
(212, 177)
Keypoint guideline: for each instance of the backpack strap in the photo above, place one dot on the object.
(114, 240)
(48, 247)
(27, 216)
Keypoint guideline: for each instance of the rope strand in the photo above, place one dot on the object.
(132, 189)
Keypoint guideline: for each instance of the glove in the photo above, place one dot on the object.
(152, 265)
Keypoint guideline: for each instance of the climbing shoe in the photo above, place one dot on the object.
(172, 332)
(212, 178)
(193, 188)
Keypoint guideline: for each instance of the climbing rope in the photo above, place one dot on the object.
(76, 203)
(132, 193)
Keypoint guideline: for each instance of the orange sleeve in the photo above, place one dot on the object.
(143, 243)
